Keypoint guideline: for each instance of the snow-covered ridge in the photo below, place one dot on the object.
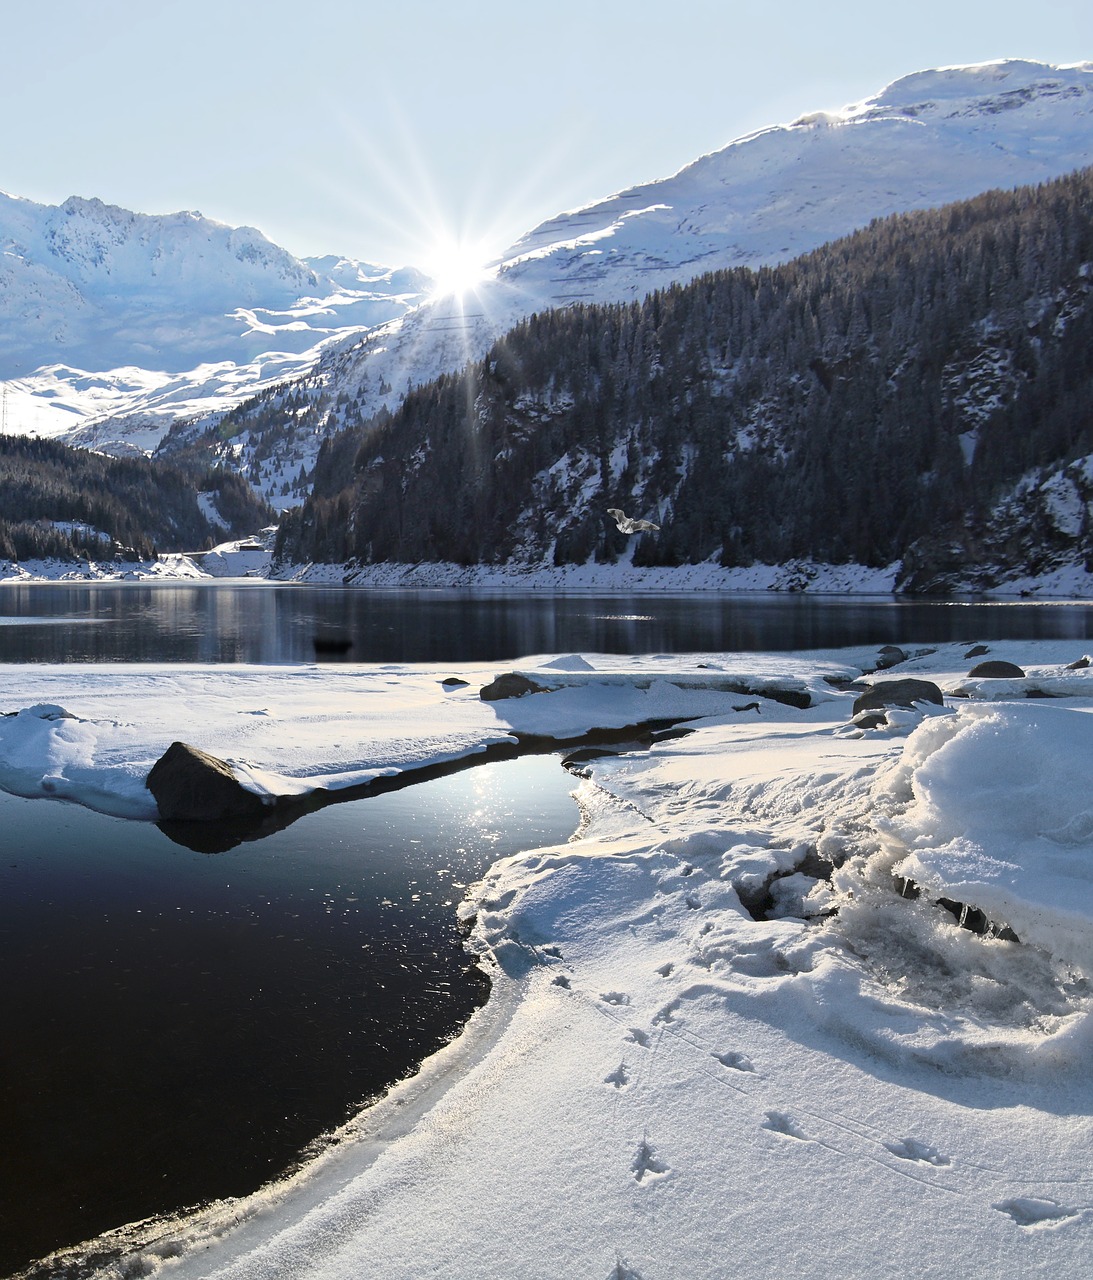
(923, 141)
(927, 139)
(109, 311)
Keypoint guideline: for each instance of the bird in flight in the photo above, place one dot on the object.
(626, 525)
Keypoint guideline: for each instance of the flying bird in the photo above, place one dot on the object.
(626, 525)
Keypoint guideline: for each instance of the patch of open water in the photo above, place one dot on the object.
(259, 622)
(179, 1026)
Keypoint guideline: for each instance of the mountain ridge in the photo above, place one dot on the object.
(925, 139)
(762, 199)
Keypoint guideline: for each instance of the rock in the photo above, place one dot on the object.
(1078, 663)
(977, 651)
(510, 685)
(454, 682)
(996, 670)
(870, 719)
(890, 655)
(898, 693)
(190, 785)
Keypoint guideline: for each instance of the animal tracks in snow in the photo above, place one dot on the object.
(646, 1165)
(763, 1104)
(1029, 1212)
(620, 1078)
(737, 1061)
(912, 1149)
(783, 1123)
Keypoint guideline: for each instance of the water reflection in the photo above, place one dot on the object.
(178, 1027)
(257, 622)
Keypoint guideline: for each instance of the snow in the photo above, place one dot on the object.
(723, 1035)
(234, 304)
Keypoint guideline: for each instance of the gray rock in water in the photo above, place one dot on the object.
(1079, 663)
(898, 693)
(190, 785)
(977, 651)
(510, 685)
(997, 670)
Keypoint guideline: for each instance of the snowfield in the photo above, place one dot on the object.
(732, 1031)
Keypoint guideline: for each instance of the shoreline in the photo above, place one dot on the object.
(194, 1240)
(229, 565)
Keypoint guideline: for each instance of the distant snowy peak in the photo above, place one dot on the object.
(983, 88)
(106, 249)
(926, 140)
(92, 285)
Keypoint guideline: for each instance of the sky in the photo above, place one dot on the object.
(415, 131)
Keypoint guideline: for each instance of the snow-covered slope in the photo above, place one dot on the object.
(107, 311)
(246, 313)
(928, 139)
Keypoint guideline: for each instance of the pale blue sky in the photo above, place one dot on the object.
(374, 129)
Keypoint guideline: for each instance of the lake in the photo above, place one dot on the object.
(256, 622)
(178, 1026)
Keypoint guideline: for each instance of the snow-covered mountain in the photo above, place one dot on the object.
(108, 311)
(927, 139)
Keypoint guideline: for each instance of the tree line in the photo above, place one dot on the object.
(867, 402)
(65, 503)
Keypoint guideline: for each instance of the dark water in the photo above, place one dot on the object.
(262, 623)
(177, 1027)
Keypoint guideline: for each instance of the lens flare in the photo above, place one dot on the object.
(455, 266)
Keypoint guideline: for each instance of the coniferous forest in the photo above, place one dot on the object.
(64, 503)
(894, 396)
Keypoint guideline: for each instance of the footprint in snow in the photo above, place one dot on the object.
(912, 1149)
(646, 1164)
(562, 981)
(614, 997)
(639, 1037)
(737, 1061)
(780, 1122)
(1028, 1211)
(619, 1077)
(665, 970)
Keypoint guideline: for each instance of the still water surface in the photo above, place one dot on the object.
(264, 623)
(178, 1027)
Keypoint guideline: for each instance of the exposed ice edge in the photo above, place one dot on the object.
(723, 1055)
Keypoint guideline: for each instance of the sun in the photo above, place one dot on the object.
(456, 267)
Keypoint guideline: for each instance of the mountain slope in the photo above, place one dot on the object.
(927, 139)
(163, 309)
(64, 503)
(919, 391)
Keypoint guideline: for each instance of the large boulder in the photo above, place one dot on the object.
(190, 785)
(510, 685)
(997, 670)
(898, 693)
